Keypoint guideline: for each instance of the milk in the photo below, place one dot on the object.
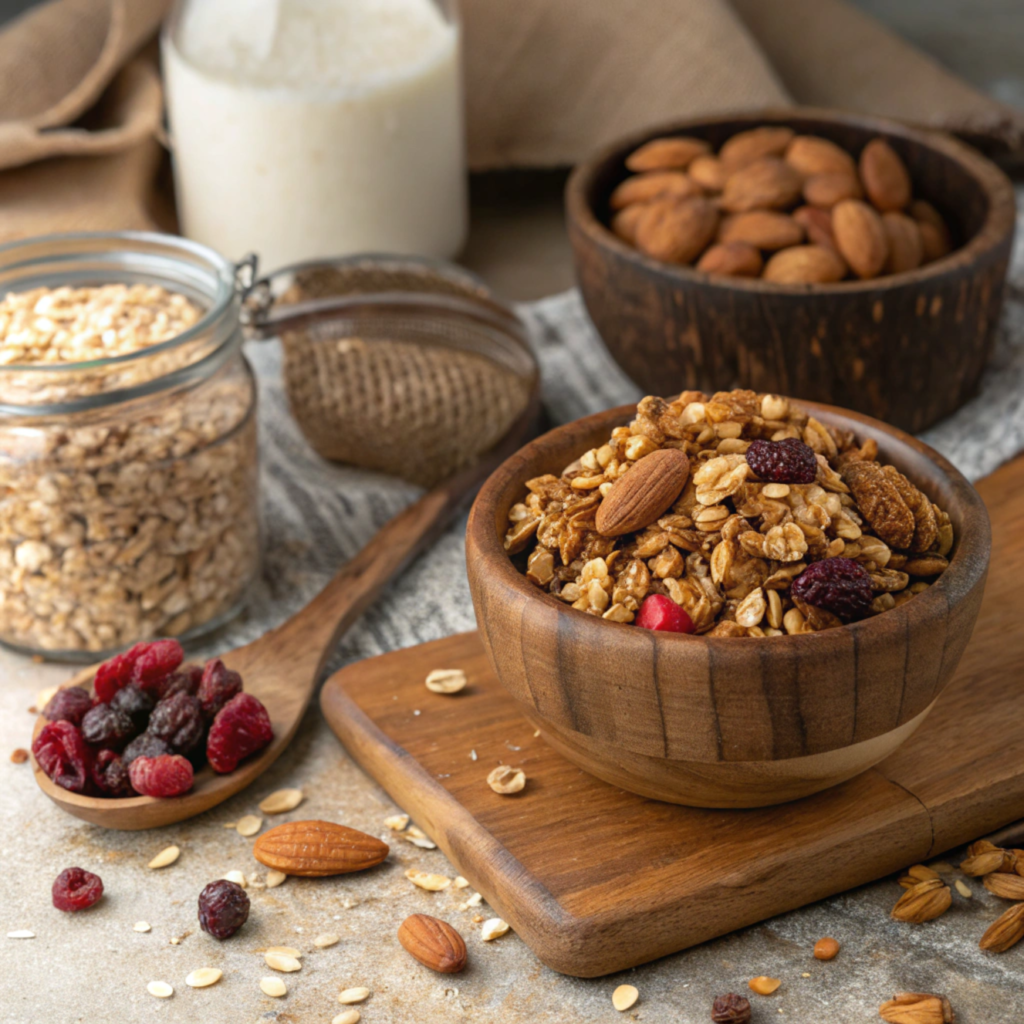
(312, 128)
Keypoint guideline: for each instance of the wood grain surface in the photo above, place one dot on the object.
(596, 879)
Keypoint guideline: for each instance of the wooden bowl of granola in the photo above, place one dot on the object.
(907, 347)
(727, 720)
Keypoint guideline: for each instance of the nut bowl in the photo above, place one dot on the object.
(724, 721)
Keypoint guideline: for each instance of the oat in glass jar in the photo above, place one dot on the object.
(128, 462)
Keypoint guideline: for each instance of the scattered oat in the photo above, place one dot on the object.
(281, 801)
(347, 1017)
(425, 880)
(165, 858)
(460, 882)
(826, 949)
(21, 933)
(472, 755)
(249, 825)
(231, 824)
(275, 878)
(446, 680)
(237, 877)
(160, 989)
(256, 881)
(493, 929)
(326, 940)
(624, 997)
(204, 977)
(397, 822)
(280, 962)
(354, 995)
(141, 926)
(273, 987)
(474, 901)
(418, 837)
(764, 986)
(477, 918)
(536, 733)
(19, 755)
(806, 974)
(961, 887)
(285, 951)
(506, 780)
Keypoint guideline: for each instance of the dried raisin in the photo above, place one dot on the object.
(837, 585)
(75, 889)
(68, 705)
(185, 680)
(62, 754)
(146, 745)
(223, 908)
(110, 774)
(155, 662)
(242, 727)
(105, 726)
(218, 686)
(166, 775)
(659, 612)
(135, 703)
(788, 461)
(115, 674)
(178, 721)
(731, 1009)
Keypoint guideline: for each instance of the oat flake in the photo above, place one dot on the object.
(327, 940)
(141, 926)
(165, 858)
(275, 878)
(160, 989)
(249, 825)
(273, 987)
(203, 977)
(281, 801)
(354, 995)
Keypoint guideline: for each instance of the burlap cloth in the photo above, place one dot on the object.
(547, 81)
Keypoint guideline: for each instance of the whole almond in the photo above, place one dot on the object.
(982, 860)
(811, 154)
(825, 190)
(676, 231)
(818, 225)
(746, 147)
(731, 259)
(935, 238)
(643, 494)
(924, 902)
(315, 849)
(1006, 931)
(885, 176)
(916, 1008)
(904, 237)
(768, 183)
(860, 237)
(644, 188)
(436, 944)
(624, 222)
(1005, 886)
(826, 949)
(670, 153)
(763, 229)
(924, 213)
(805, 264)
(709, 172)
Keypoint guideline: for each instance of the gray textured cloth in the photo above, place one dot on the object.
(317, 514)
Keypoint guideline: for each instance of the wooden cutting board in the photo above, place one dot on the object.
(595, 879)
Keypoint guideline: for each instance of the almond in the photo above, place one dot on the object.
(811, 154)
(644, 188)
(1005, 886)
(436, 944)
(763, 229)
(624, 222)
(860, 237)
(675, 153)
(935, 239)
(709, 172)
(676, 231)
(924, 902)
(1006, 931)
(818, 225)
(314, 849)
(805, 264)
(904, 237)
(825, 190)
(731, 259)
(885, 176)
(916, 1008)
(924, 213)
(746, 147)
(644, 493)
(768, 183)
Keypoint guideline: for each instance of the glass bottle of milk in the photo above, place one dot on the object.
(316, 128)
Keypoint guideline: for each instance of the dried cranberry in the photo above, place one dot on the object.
(788, 461)
(105, 726)
(731, 1009)
(68, 705)
(76, 889)
(110, 775)
(838, 585)
(223, 908)
(135, 703)
(219, 685)
(662, 613)
(166, 775)
(145, 745)
(62, 754)
(155, 662)
(241, 728)
(115, 674)
(185, 680)
(178, 721)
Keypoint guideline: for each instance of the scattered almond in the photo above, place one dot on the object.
(435, 944)
(425, 880)
(280, 962)
(141, 926)
(165, 857)
(203, 977)
(446, 680)
(316, 849)
(493, 929)
(924, 902)
(507, 780)
(624, 997)
(826, 949)
(763, 985)
(397, 822)
(160, 989)
(273, 987)
(281, 801)
(347, 1017)
(1006, 931)
(1007, 886)
(916, 1008)
(984, 862)
(249, 825)
(354, 995)
(275, 878)
(19, 755)
(326, 940)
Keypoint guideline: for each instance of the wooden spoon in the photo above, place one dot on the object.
(284, 666)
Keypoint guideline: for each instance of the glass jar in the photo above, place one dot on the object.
(128, 485)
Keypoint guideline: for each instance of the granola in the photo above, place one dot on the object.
(733, 549)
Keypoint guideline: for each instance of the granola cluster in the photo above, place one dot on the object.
(730, 546)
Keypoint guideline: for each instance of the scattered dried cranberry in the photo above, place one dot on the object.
(185, 680)
(662, 613)
(145, 745)
(135, 703)
(218, 686)
(115, 674)
(178, 721)
(155, 662)
(105, 726)
(788, 461)
(731, 1009)
(110, 775)
(223, 909)
(241, 728)
(76, 889)
(68, 705)
(838, 585)
(166, 775)
(62, 754)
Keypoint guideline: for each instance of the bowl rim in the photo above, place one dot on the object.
(1000, 219)
(967, 567)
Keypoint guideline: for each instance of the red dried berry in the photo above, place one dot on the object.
(116, 673)
(145, 745)
(62, 754)
(218, 686)
(788, 461)
(185, 680)
(68, 705)
(731, 1009)
(837, 585)
(166, 775)
(155, 662)
(136, 704)
(223, 908)
(178, 721)
(662, 613)
(110, 774)
(105, 726)
(241, 728)
(75, 889)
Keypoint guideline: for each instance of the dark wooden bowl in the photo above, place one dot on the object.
(908, 348)
(718, 721)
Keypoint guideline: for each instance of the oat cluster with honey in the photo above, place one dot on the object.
(734, 515)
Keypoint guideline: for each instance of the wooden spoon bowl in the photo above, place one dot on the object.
(718, 721)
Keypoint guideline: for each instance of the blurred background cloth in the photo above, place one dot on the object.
(547, 82)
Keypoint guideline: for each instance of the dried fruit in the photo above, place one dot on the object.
(624, 997)
(446, 680)
(826, 949)
(644, 493)
(178, 721)
(670, 153)
(165, 857)
(105, 726)
(315, 849)
(676, 230)
(223, 908)
(203, 977)
(805, 264)
(116, 673)
(110, 774)
(885, 176)
(154, 662)
(860, 237)
(763, 985)
(924, 902)
(1006, 931)
(145, 745)
(75, 889)
(837, 585)
(163, 776)
(61, 753)
(731, 259)
(731, 1009)
(507, 780)
(185, 680)
(493, 929)
(767, 183)
(435, 944)
(68, 705)
(916, 1008)
(135, 703)
(217, 686)
(661, 613)
(242, 727)
(788, 461)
